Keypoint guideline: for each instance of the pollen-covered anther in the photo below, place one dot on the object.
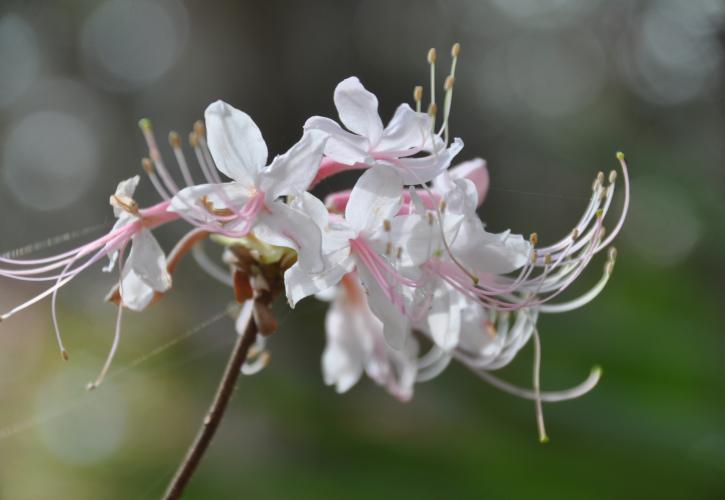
(418, 93)
(147, 165)
(399, 253)
(432, 56)
(174, 140)
(126, 203)
(199, 128)
(456, 50)
(389, 249)
(387, 225)
(432, 110)
(193, 139)
(450, 81)
(220, 212)
(534, 239)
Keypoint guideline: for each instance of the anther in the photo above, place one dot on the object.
(418, 93)
(456, 50)
(534, 256)
(448, 85)
(199, 128)
(443, 205)
(399, 253)
(547, 259)
(432, 56)
(174, 140)
(534, 239)
(387, 225)
(147, 165)
(193, 139)
(64, 355)
(574, 234)
(389, 249)
(612, 176)
(432, 110)
(430, 218)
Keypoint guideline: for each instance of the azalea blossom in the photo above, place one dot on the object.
(415, 278)
(367, 143)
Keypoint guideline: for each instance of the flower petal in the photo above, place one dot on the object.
(422, 170)
(358, 109)
(235, 142)
(396, 327)
(375, 197)
(293, 171)
(475, 171)
(444, 317)
(279, 224)
(299, 283)
(189, 201)
(343, 147)
(125, 189)
(148, 261)
(406, 130)
(345, 353)
(136, 295)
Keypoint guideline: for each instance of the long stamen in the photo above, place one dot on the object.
(448, 87)
(148, 167)
(543, 438)
(175, 143)
(148, 134)
(432, 56)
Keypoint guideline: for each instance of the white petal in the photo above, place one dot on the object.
(475, 171)
(358, 109)
(406, 130)
(444, 318)
(396, 327)
(279, 224)
(343, 147)
(424, 169)
(299, 283)
(148, 261)
(344, 355)
(235, 142)
(293, 171)
(491, 253)
(375, 197)
(311, 205)
(135, 293)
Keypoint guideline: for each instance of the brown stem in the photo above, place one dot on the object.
(214, 415)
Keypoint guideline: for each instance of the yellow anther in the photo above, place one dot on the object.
(387, 225)
(174, 140)
(418, 93)
(147, 165)
(193, 139)
(534, 238)
(432, 109)
(199, 128)
(448, 85)
(432, 56)
(456, 50)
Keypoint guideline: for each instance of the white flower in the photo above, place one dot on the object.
(368, 143)
(360, 241)
(251, 200)
(355, 345)
(144, 271)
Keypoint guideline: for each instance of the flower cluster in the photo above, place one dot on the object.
(414, 278)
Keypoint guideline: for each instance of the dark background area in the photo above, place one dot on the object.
(546, 91)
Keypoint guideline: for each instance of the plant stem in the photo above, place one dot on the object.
(214, 415)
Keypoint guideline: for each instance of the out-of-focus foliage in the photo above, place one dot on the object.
(546, 91)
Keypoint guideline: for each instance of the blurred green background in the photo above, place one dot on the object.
(547, 91)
